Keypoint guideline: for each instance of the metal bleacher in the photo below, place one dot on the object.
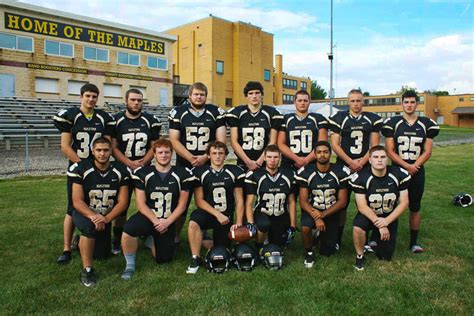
(28, 121)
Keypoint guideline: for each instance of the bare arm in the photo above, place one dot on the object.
(122, 203)
(221, 134)
(336, 147)
(249, 208)
(143, 207)
(66, 140)
(285, 150)
(339, 205)
(178, 146)
(163, 223)
(239, 151)
(79, 203)
(401, 207)
(239, 206)
(363, 208)
(390, 145)
(426, 155)
(292, 209)
(121, 157)
(149, 154)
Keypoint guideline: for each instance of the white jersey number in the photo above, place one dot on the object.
(101, 201)
(220, 199)
(274, 203)
(301, 141)
(358, 137)
(197, 137)
(322, 200)
(382, 203)
(162, 204)
(253, 138)
(409, 148)
(85, 145)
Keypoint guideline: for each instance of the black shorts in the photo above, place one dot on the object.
(102, 246)
(415, 190)
(275, 226)
(138, 225)
(207, 221)
(70, 207)
(328, 238)
(385, 249)
(181, 162)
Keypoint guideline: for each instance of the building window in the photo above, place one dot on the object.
(290, 84)
(461, 99)
(471, 99)
(74, 87)
(58, 48)
(228, 102)
(266, 75)
(304, 86)
(157, 63)
(288, 98)
(46, 85)
(219, 67)
(142, 90)
(16, 42)
(112, 90)
(164, 97)
(97, 54)
(128, 59)
(422, 99)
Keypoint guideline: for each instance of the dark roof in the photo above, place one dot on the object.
(463, 110)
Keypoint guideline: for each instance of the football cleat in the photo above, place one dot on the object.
(127, 274)
(309, 260)
(463, 199)
(88, 278)
(196, 262)
(359, 263)
(417, 249)
(64, 258)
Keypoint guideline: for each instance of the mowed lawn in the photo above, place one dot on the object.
(440, 281)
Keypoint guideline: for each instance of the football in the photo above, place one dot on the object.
(240, 234)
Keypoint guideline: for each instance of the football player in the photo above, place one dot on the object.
(270, 206)
(134, 135)
(299, 132)
(161, 192)
(218, 195)
(191, 127)
(353, 133)
(79, 127)
(323, 193)
(381, 197)
(99, 194)
(409, 141)
(253, 127)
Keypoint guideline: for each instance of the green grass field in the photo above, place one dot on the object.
(440, 281)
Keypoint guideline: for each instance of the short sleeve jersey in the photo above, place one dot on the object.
(162, 190)
(197, 128)
(101, 188)
(134, 136)
(83, 130)
(218, 186)
(410, 139)
(355, 131)
(323, 187)
(254, 128)
(302, 133)
(381, 193)
(271, 191)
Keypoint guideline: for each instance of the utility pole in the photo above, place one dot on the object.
(331, 58)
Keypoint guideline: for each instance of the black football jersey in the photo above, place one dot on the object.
(218, 186)
(323, 187)
(410, 139)
(254, 128)
(134, 136)
(162, 194)
(355, 131)
(101, 189)
(197, 129)
(302, 133)
(272, 191)
(381, 193)
(83, 130)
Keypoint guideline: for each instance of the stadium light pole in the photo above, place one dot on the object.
(331, 58)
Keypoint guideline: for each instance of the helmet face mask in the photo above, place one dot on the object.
(218, 259)
(463, 199)
(272, 256)
(244, 257)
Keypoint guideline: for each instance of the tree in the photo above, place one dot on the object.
(317, 92)
(405, 89)
(437, 92)
(365, 93)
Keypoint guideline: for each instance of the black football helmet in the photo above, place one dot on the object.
(218, 259)
(462, 199)
(271, 256)
(244, 257)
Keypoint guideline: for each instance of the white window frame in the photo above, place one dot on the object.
(75, 82)
(128, 59)
(157, 63)
(106, 91)
(16, 43)
(97, 60)
(56, 80)
(60, 43)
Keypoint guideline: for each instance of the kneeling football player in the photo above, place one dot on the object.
(218, 193)
(323, 194)
(381, 197)
(99, 194)
(274, 212)
(161, 192)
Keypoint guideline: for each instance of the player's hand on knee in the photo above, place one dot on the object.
(320, 225)
(384, 234)
(223, 220)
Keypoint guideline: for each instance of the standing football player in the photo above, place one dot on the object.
(354, 132)
(218, 194)
(191, 127)
(299, 132)
(273, 214)
(253, 127)
(381, 197)
(409, 141)
(99, 194)
(161, 192)
(133, 139)
(323, 194)
(79, 127)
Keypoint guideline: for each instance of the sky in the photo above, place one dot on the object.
(379, 45)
